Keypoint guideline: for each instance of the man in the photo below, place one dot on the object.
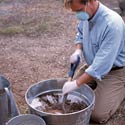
(101, 39)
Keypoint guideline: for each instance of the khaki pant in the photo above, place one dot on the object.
(109, 94)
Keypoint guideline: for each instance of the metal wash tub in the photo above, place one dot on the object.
(77, 118)
(8, 107)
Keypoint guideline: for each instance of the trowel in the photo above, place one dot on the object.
(70, 75)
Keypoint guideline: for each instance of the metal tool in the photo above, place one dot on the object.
(71, 74)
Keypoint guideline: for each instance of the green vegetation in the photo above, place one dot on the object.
(11, 30)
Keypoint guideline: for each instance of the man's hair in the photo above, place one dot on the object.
(68, 3)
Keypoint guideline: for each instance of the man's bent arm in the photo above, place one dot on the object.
(85, 78)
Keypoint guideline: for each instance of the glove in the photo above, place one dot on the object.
(75, 55)
(69, 86)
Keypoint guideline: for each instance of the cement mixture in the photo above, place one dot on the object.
(51, 103)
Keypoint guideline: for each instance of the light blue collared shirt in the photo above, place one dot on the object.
(106, 46)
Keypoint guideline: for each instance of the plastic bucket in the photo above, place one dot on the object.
(77, 118)
(28, 119)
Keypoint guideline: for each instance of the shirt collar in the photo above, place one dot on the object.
(97, 14)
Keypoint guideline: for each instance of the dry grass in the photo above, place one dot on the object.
(28, 19)
(12, 30)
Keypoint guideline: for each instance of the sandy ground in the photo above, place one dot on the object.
(36, 40)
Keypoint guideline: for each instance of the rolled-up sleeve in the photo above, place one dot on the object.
(79, 35)
(107, 53)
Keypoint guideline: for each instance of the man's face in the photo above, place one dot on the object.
(76, 6)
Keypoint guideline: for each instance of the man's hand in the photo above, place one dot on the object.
(69, 86)
(75, 55)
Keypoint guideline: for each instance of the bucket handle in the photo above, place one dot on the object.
(9, 102)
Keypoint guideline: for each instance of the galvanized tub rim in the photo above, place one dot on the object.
(24, 115)
(67, 114)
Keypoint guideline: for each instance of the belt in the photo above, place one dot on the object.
(117, 68)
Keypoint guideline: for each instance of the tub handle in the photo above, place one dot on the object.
(12, 107)
(9, 102)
